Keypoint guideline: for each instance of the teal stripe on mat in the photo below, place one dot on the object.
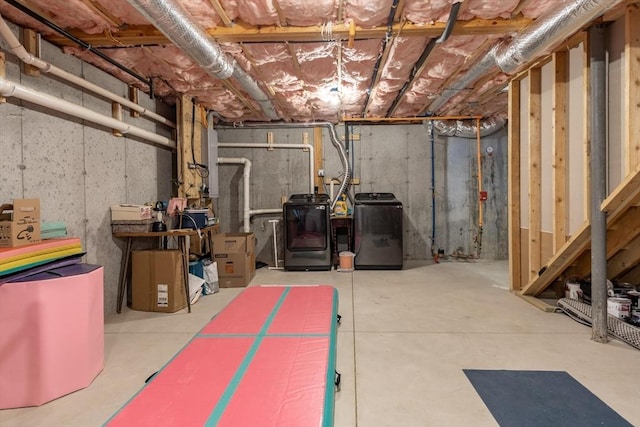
(329, 392)
(282, 335)
(218, 411)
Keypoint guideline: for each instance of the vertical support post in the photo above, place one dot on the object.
(31, 43)
(133, 97)
(632, 86)
(535, 172)
(3, 72)
(587, 125)
(560, 148)
(515, 242)
(479, 161)
(117, 113)
(598, 108)
(317, 161)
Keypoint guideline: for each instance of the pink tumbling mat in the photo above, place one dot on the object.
(267, 359)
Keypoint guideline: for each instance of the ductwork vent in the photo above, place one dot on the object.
(469, 128)
(174, 23)
(556, 25)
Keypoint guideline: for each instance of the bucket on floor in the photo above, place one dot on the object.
(619, 307)
(573, 291)
(346, 261)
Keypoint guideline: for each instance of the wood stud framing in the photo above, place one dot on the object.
(189, 130)
(515, 266)
(535, 172)
(102, 11)
(221, 13)
(140, 35)
(622, 205)
(586, 73)
(31, 42)
(133, 97)
(318, 157)
(560, 148)
(632, 86)
(3, 73)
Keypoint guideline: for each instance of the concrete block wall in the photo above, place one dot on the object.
(76, 169)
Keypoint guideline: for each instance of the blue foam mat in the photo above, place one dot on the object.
(541, 398)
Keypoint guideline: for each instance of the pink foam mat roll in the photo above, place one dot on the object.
(267, 359)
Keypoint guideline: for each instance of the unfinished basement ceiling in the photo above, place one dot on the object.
(320, 60)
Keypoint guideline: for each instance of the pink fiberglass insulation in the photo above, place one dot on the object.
(535, 9)
(253, 12)
(357, 67)
(180, 76)
(202, 13)
(318, 67)
(272, 63)
(304, 13)
(440, 66)
(122, 10)
(404, 52)
(499, 80)
(423, 12)
(484, 9)
(368, 13)
(73, 14)
(9, 13)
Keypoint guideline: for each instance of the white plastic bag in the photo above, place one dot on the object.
(211, 285)
(196, 286)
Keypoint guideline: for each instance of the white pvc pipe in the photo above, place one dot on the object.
(11, 89)
(266, 145)
(247, 212)
(246, 177)
(18, 49)
(264, 211)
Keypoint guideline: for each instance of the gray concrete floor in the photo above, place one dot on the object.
(404, 340)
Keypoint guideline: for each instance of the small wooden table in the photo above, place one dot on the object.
(340, 223)
(180, 234)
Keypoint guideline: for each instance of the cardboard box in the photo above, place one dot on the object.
(225, 243)
(157, 281)
(20, 223)
(125, 212)
(235, 256)
(197, 244)
(235, 270)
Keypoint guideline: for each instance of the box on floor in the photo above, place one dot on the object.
(157, 281)
(235, 256)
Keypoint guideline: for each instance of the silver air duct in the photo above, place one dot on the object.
(468, 128)
(473, 74)
(173, 22)
(556, 25)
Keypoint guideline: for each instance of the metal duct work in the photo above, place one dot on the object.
(468, 128)
(474, 73)
(558, 24)
(174, 23)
